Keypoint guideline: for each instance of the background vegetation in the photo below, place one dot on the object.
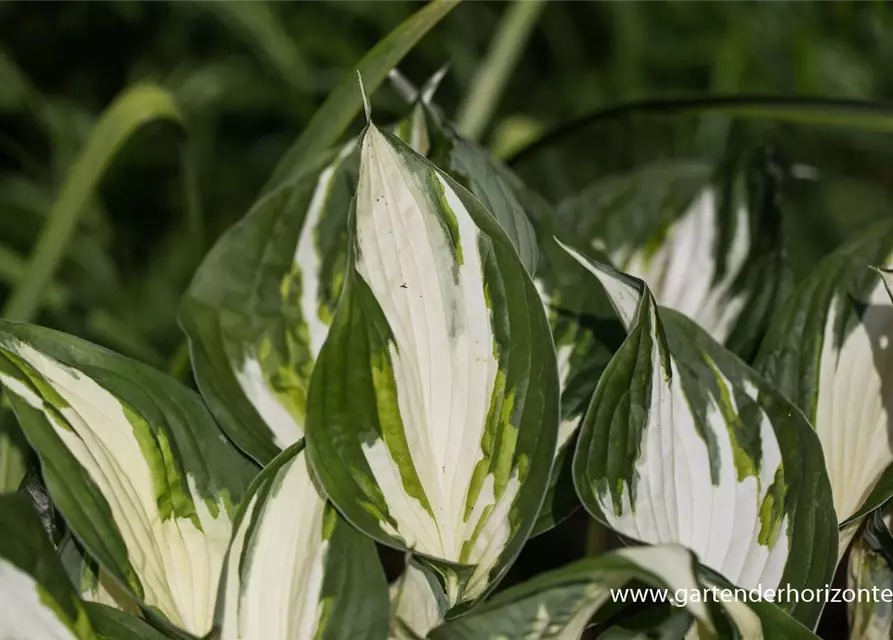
(247, 76)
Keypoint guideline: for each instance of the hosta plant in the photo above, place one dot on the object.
(402, 346)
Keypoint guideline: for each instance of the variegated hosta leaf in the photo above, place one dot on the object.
(434, 403)
(581, 353)
(134, 462)
(428, 132)
(259, 307)
(705, 240)
(417, 603)
(828, 350)
(684, 443)
(559, 604)
(37, 602)
(870, 573)
(296, 570)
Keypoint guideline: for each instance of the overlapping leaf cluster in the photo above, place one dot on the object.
(402, 343)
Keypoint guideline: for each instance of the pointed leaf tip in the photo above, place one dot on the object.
(624, 291)
(366, 107)
(432, 84)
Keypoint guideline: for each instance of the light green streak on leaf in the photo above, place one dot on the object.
(449, 219)
(744, 464)
(287, 377)
(345, 102)
(329, 522)
(468, 545)
(324, 613)
(772, 511)
(392, 430)
(558, 604)
(173, 499)
(35, 380)
(130, 110)
(493, 74)
(488, 445)
(507, 445)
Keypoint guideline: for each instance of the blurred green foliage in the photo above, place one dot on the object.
(248, 76)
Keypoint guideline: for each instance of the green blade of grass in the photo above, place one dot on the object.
(345, 102)
(130, 110)
(492, 76)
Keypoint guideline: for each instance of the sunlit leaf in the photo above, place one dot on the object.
(433, 406)
(580, 317)
(134, 463)
(684, 443)
(259, 307)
